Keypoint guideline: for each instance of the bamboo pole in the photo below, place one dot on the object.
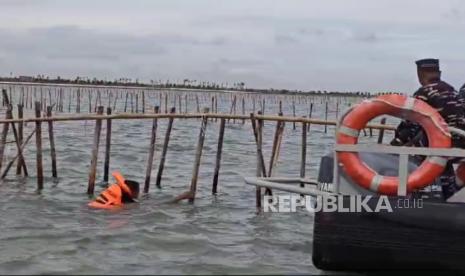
(126, 102)
(185, 104)
(78, 98)
(303, 152)
(216, 107)
(40, 171)
(96, 102)
(93, 162)
(99, 96)
(310, 115)
(166, 103)
(161, 166)
(10, 164)
(261, 171)
(52, 143)
(143, 101)
(106, 165)
(198, 156)
(4, 133)
(218, 156)
(15, 135)
(20, 139)
(326, 115)
(213, 105)
(381, 131)
(90, 101)
(293, 113)
(137, 103)
(276, 146)
(115, 101)
(151, 151)
(243, 109)
(186, 116)
(9, 115)
(263, 106)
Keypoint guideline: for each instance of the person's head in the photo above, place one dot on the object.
(134, 187)
(428, 71)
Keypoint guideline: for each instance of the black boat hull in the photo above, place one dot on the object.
(429, 238)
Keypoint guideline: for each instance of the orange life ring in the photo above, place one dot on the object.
(401, 107)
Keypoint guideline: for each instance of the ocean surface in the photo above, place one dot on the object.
(54, 232)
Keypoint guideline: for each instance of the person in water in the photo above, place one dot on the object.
(447, 101)
(122, 192)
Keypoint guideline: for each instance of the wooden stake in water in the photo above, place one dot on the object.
(10, 164)
(143, 101)
(137, 103)
(126, 102)
(151, 151)
(78, 98)
(198, 156)
(40, 172)
(303, 152)
(216, 107)
(326, 116)
(293, 112)
(261, 171)
(166, 103)
(310, 115)
(276, 145)
(218, 156)
(106, 164)
(213, 106)
(263, 106)
(4, 134)
(185, 103)
(20, 139)
(90, 101)
(161, 166)
(381, 131)
(93, 162)
(9, 114)
(52, 143)
(243, 109)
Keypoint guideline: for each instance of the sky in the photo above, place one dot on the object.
(333, 45)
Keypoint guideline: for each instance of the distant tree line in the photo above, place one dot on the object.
(186, 84)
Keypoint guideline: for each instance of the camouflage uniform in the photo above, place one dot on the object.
(462, 93)
(447, 101)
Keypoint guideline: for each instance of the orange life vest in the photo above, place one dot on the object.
(112, 196)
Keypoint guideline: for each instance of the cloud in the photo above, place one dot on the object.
(285, 38)
(366, 37)
(322, 45)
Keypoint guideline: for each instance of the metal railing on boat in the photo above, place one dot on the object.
(285, 184)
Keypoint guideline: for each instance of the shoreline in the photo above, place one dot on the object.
(192, 89)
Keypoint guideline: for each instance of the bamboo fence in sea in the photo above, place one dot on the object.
(40, 108)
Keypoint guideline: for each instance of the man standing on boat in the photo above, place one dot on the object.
(447, 101)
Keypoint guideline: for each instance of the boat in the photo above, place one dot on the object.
(422, 231)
